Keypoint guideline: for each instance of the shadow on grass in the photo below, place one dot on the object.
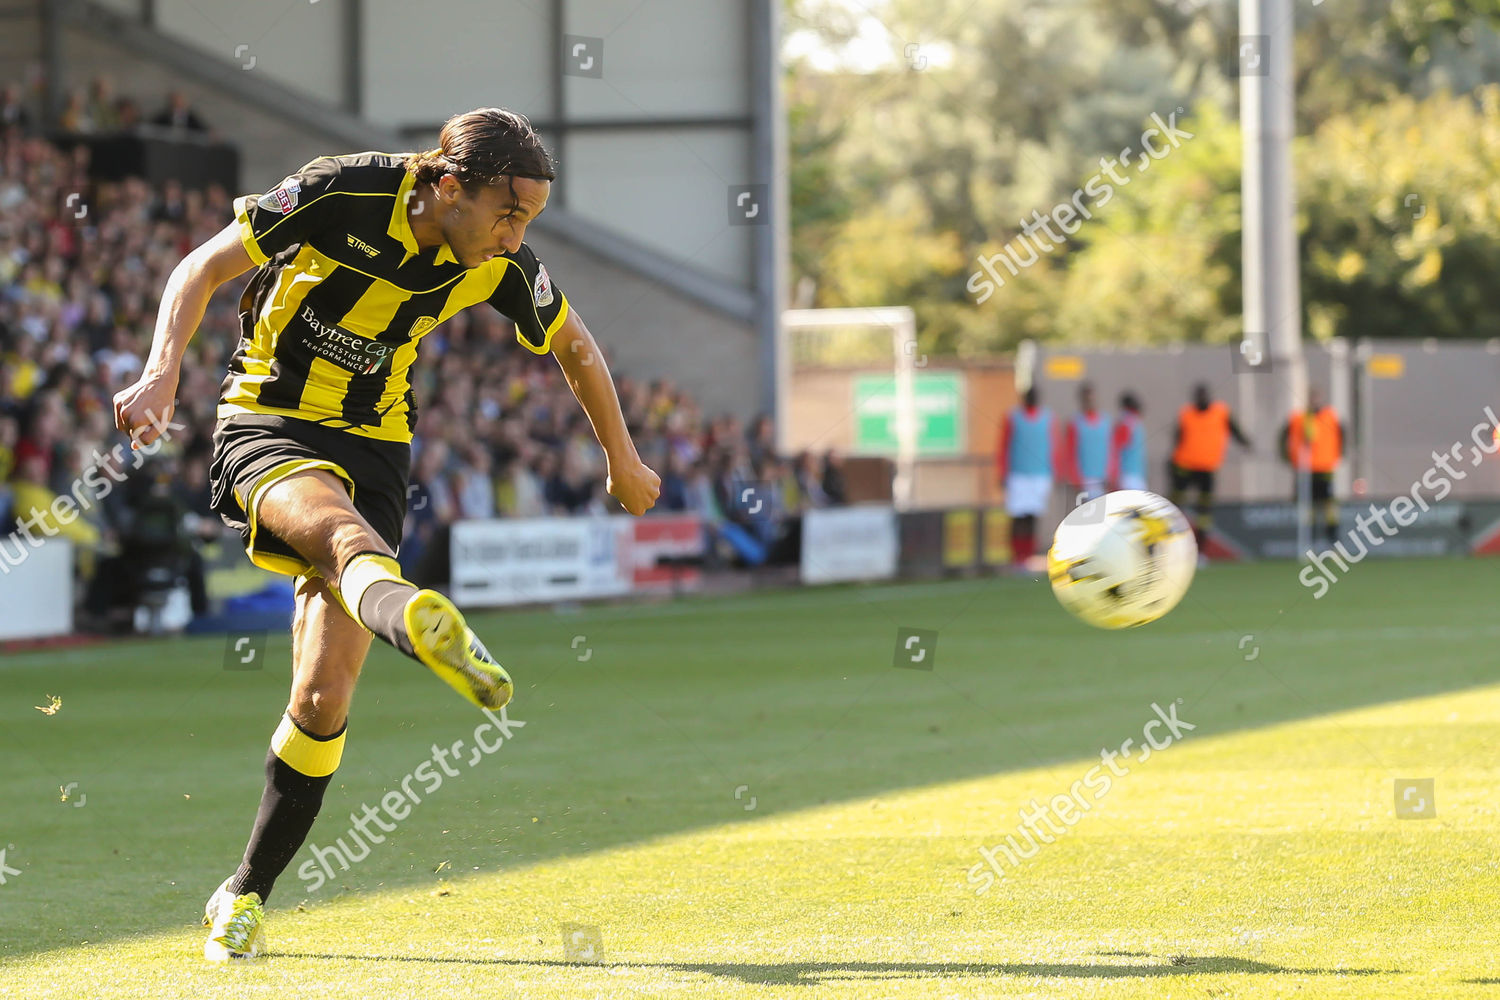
(667, 718)
(816, 973)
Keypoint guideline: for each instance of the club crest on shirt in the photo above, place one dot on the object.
(542, 287)
(422, 326)
(282, 198)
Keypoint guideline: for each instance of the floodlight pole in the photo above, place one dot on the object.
(1272, 298)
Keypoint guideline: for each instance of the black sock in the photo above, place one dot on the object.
(288, 806)
(375, 594)
(382, 609)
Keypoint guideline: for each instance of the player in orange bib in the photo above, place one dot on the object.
(1313, 442)
(1204, 427)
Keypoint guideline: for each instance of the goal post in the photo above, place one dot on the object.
(883, 337)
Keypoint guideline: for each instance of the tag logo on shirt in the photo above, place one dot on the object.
(282, 198)
(361, 245)
(542, 287)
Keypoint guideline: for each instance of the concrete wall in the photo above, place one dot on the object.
(1163, 379)
(299, 44)
(666, 189)
(471, 53)
(649, 331)
(1419, 397)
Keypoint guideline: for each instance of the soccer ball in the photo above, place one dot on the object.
(1123, 559)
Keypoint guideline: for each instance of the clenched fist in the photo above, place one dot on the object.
(634, 485)
(144, 410)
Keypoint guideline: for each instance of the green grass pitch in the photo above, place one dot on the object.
(743, 798)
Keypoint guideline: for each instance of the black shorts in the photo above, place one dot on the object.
(1201, 480)
(252, 452)
(1322, 486)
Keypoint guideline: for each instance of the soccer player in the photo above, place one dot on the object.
(1086, 450)
(1127, 447)
(1204, 427)
(358, 257)
(1025, 463)
(1313, 443)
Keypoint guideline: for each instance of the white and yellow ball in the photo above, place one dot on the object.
(1122, 560)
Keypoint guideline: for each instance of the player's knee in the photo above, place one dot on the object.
(321, 708)
(314, 598)
(351, 537)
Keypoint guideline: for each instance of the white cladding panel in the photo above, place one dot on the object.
(662, 57)
(426, 62)
(666, 189)
(130, 8)
(299, 44)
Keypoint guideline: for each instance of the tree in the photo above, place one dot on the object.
(907, 171)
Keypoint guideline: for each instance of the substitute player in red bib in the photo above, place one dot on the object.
(1024, 460)
(1086, 447)
(358, 258)
(1127, 446)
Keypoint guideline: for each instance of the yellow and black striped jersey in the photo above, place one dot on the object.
(330, 322)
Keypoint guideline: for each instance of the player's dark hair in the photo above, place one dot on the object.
(1128, 401)
(482, 147)
(1032, 397)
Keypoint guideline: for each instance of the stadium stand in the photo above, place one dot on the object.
(82, 264)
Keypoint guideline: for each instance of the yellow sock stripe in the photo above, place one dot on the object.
(312, 757)
(360, 573)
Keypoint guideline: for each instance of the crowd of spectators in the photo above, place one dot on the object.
(82, 266)
(98, 109)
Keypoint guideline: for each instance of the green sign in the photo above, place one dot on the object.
(938, 401)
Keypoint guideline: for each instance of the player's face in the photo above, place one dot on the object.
(489, 222)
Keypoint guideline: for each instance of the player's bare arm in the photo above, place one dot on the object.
(631, 481)
(183, 303)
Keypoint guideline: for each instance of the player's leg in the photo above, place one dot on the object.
(328, 650)
(1177, 479)
(1019, 504)
(1180, 481)
(1204, 480)
(1023, 540)
(1322, 497)
(312, 512)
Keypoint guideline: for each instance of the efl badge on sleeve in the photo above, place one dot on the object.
(542, 287)
(282, 198)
